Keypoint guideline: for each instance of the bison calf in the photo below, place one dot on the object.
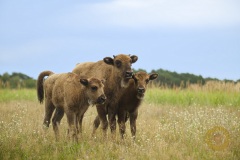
(68, 93)
(131, 100)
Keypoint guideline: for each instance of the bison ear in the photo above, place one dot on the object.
(133, 77)
(134, 58)
(153, 76)
(84, 82)
(108, 60)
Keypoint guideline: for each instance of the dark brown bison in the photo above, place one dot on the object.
(131, 100)
(117, 72)
(68, 93)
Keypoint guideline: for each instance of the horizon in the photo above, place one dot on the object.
(147, 72)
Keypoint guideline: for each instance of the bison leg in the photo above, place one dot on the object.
(121, 122)
(112, 121)
(79, 118)
(133, 118)
(103, 118)
(71, 118)
(96, 124)
(49, 108)
(56, 121)
(76, 122)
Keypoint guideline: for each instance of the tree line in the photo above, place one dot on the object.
(173, 79)
(16, 81)
(166, 78)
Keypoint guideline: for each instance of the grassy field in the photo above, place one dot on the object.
(172, 124)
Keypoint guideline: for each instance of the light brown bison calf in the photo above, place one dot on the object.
(68, 93)
(117, 72)
(131, 100)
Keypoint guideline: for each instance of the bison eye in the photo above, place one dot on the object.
(94, 88)
(118, 63)
(147, 81)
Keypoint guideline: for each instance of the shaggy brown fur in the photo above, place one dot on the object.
(68, 93)
(131, 100)
(117, 72)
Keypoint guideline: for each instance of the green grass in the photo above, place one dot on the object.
(171, 125)
(190, 97)
(156, 96)
(7, 95)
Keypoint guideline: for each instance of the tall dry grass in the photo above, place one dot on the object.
(163, 132)
(208, 86)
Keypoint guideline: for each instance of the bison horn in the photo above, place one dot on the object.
(114, 56)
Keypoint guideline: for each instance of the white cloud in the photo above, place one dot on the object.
(168, 13)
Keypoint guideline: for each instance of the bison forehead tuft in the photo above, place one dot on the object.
(122, 57)
(95, 81)
(141, 75)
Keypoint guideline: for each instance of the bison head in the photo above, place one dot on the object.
(122, 66)
(94, 90)
(141, 80)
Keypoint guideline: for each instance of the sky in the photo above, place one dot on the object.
(201, 37)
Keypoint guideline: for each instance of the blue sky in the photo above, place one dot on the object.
(187, 36)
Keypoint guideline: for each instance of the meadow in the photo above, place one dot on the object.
(198, 122)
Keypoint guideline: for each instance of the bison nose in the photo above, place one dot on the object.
(129, 74)
(101, 99)
(141, 90)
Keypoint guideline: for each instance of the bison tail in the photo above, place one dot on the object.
(40, 80)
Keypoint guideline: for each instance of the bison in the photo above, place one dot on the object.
(68, 93)
(117, 72)
(131, 100)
